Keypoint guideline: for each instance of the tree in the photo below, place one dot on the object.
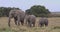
(38, 10)
(4, 11)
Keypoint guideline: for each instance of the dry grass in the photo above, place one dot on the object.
(54, 26)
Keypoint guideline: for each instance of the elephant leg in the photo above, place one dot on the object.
(18, 20)
(9, 21)
(46, 24)
(22, 22)
(41, 25)
(34, 24)
(30, 24)
(15, 20)
(18, 23)
(26, 23)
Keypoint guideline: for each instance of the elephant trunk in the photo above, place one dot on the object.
(9, 21)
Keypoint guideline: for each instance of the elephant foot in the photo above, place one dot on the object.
(22, 23)
(18, 24)
(41, 25)
(9, 25)
(15, 23)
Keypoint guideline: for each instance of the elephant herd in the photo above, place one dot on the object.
(21, 17)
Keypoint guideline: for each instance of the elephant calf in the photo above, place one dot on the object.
(43, 21)
(31, 20)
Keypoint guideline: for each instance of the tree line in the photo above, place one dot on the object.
(4, 11)
(37, 10)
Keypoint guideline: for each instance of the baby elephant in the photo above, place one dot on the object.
(43, 21)
(30, 20)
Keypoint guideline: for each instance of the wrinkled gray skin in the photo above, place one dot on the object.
(43, 21)
(30, 20)
(18, 16)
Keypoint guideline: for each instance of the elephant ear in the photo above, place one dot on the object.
(16, 13)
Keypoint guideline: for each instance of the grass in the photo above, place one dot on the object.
(54, 26)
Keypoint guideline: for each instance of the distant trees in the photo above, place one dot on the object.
(4, 11)
(38, 10)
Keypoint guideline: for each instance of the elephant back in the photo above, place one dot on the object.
(43, 20)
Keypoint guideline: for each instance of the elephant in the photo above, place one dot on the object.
(43, 21)
(18, 16)
(30, 20)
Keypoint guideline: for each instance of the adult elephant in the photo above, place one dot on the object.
(30, 20)
(43, 21)
(18, 16)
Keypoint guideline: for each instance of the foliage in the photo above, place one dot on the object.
(38, 10)
(4, 11)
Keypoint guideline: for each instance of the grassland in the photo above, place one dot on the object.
(54, 26)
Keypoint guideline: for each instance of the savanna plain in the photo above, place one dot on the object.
(53, 26)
